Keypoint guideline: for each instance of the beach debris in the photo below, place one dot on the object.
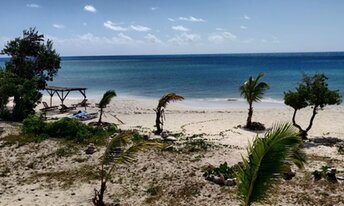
(288, 174)
(170, 138)
(256, 126)
(331, 175)
(90, 149)
(328, 141)
(327, 173)
(341, 148)
(222, 175)
(164, 134)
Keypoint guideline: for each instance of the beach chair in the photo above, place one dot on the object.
(47, 107)
(83, 103)
(64, 108)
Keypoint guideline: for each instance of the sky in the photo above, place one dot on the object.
(130, 27)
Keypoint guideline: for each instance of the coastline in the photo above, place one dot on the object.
(173, 172)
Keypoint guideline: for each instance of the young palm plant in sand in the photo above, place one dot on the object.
(104, 102)
(121, 150)
(253, 91)
(160, 109)
(268, 158)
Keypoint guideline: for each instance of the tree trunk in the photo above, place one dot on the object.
(157, 121)
(304, 133)
(98, 199)
(100, 116)
(312, 118)
(249, 117)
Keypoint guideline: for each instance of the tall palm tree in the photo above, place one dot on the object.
(164, 100)
(253, 91)
(268, 158)
(104, 102)
(121, 150)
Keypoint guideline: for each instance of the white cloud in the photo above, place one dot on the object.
(154, 8)
(88, 36)
(220, 37)
(191, 19)
(243, 27)
(220, 29)
(152, 38)
(36, 6)
(140, 28)
(180, 28)
(216, 38)
(113, 26)
(90, 8)
(185, 38)
(247, 17)
(170, 19)
(124, 37)
(58, 26)
(229, 35)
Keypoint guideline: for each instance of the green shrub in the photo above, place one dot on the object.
(71, 129)
(34, 125)
(223, 169)
(66, 128)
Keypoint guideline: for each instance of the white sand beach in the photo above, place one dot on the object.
(37, 178)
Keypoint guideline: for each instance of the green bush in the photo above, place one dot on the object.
(66, 128)
(223, 169)
(34, 125)
(69, 129)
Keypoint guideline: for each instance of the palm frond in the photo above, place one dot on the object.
(266, 161)
(164, 100)
(129, 154)
(121, 148)
(108, 95)
(116, 146)
(253, 90)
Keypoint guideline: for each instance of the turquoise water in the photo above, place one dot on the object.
(196, 76)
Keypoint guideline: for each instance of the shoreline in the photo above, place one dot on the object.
(187, 103)
(36, 173)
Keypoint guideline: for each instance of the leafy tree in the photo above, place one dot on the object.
(104, 102)
(25, 93)
(253, 91)
(32, 58)
(33, 62)
(26, 99)
(312, 91)
(8, 83)
(268, 158)
(160, 109)
(121, 150)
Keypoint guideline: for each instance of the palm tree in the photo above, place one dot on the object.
(121, 150)
(253, 91)
(268, 158)
(164, 100)
(104, 102)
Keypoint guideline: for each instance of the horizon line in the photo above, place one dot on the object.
(196, 54)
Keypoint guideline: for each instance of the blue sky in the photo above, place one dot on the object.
(120, 27)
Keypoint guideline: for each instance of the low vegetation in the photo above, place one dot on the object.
(268, 158)
(120, 150)
(65, 128)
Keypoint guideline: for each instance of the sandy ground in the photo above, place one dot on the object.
(33, 175)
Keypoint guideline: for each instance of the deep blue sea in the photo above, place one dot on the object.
(215, 76)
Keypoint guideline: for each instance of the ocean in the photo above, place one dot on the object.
(212, 77)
